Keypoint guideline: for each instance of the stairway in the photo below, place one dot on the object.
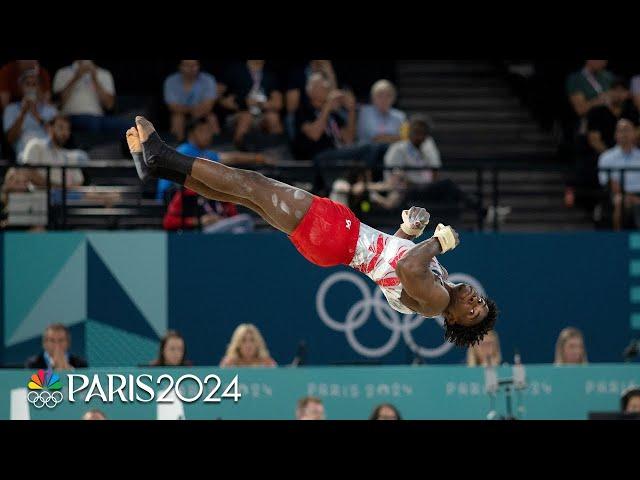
(475, 115)
(477, 120)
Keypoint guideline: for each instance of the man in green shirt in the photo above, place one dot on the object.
(588, 87)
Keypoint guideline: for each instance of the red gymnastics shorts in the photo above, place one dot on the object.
(328, 233)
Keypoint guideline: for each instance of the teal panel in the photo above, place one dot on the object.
(31, 262)
(64, 300)
(634, 268)
(634, 294)
(634, 241)
(106, 345)
(139, 262)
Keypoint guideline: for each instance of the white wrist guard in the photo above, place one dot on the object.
(407, 228)
(445, 237)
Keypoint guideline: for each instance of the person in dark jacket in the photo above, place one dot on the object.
(56, 341)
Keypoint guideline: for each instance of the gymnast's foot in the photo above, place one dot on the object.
(135, 147)
(156, 153)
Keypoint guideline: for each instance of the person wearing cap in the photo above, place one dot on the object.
(27, 118)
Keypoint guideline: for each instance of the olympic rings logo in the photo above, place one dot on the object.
(400, 325)
(40, 399)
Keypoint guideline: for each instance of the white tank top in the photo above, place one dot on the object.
(377, 255)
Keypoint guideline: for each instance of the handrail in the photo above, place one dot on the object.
(493, 168)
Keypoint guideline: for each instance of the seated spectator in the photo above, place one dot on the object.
(320, 124)
(310, 408)
(94, 414)
(10, 74)
(85, 93)
(200, 133)
(379, 122)
(247, 348)
(385, 411)
(588, 88)
(26, 119)
(56, 341)
(187, 211)
(357, 191)
(296, 83)
(15, 180)
(486, 353)
(173, 351)
(51, 151)
(624, 155)
(189, 93)
(602, 119)
(630, 400)
(251, 92)
(570, 349)
(419, 150)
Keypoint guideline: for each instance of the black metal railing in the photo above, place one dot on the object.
(487, 176)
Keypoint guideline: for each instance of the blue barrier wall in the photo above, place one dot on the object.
(119, 292)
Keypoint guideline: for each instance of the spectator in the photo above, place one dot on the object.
(94, 414)
(602, 119)
(588, 88)
(361, 194)
(419, 150)
(251, 92)
(247, 348)
(296, 83)
(172, 352)
(310, 408)
(200, 133)
(385, 411)
(51, 151)
(189, 93)
(570, 349)
(15, 180)
(187, 211)
(56, 341)
(624, 155)
(630, 400)
(379, 122)
(319, 125)
(486, 353)
(85, 92)
(26, 119)
(10, 74)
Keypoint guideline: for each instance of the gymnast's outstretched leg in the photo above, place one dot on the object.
(281, 205)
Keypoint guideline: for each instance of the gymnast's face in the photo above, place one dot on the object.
(248, 345)
(467, 307)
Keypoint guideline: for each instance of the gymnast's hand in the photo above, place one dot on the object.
(414, 221)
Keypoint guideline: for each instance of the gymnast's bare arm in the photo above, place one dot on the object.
(421, 291)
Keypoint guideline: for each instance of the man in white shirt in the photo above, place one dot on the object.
(624, 155)
(418, 151)
(85, 92)
(51, 151)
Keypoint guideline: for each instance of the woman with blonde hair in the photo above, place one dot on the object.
(247, 348)
(570, 349)
(486, 352)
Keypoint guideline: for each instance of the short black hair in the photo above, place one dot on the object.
(627, 395)
(467, 336)
(423, 120)
(376, 411)
(195, 123)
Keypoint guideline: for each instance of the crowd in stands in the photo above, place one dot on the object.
(247, 114)
(605, 134)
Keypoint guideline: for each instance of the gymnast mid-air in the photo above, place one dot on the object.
(328, 233)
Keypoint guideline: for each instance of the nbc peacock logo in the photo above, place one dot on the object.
(44, 389)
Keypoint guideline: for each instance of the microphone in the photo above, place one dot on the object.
(301, 354)
(631, 351)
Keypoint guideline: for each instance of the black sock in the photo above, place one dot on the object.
(158, 154)
(171, 175)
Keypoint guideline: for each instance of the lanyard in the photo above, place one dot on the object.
(592, 81)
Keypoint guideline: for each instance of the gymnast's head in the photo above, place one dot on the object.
(469, 316)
